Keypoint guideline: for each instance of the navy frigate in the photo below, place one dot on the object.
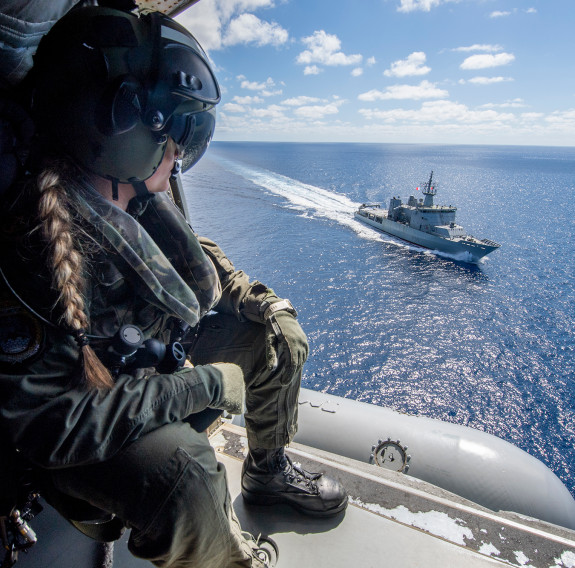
(423, 223)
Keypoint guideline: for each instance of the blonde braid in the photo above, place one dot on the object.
(67, 271)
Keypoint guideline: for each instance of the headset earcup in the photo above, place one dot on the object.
(119, 110)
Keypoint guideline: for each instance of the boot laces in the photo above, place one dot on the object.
(296, 474)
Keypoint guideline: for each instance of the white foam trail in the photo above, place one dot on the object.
(311, 200)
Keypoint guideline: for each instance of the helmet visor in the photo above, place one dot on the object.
(192, 133)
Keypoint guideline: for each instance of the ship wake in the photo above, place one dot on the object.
(309, 200)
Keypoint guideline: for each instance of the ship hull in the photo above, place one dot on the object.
(473, 250)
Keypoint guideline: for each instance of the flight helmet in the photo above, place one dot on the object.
(110, 87)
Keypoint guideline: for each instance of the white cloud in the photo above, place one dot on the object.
(204, 22)
(230, 7)
(248, 28)
(486, 60)
(486, 80)
(480, 47)
(413, 65)
(371, 61)
(514, 103)
(273, 111)
(302, 100)
(424, 5)
(268, 93)
(434, 121)
(255, 86)
(562, 117)
(219, 23)
(438, 112)
(317, 112)
(232, 107)
(247, 100)
(515, 11)
(357, 72)
(425, 90)
(532, 115)
(325, 49)
(309, 109)
(311, 70)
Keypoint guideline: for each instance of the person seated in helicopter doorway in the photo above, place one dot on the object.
(93, 243)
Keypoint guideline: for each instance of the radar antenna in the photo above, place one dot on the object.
(429, 190)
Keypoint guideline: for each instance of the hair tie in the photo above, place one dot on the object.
(81, 338)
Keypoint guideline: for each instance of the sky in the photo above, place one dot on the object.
(392, 71)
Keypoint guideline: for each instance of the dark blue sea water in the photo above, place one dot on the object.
(491, 346)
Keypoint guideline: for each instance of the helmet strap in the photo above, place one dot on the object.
(115, 189)
(141, 189)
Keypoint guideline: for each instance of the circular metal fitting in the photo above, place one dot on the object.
(390, 455)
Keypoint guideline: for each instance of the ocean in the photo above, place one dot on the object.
(490, 346)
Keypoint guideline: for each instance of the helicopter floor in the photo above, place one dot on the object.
(392, 520)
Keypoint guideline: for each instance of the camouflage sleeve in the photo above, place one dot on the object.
(240, 297)
(56, 425)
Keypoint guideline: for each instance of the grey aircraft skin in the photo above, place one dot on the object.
(423, 223)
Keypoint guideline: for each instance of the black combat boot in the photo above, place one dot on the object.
(269, 477)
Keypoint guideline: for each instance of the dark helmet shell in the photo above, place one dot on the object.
(110, 87)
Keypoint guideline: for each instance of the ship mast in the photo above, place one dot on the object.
(429, 191)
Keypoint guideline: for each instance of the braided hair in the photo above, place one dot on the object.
(66, 264)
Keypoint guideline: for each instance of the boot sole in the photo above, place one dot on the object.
(265, 500)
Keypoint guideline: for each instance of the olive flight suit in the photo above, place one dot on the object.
(128, 450)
